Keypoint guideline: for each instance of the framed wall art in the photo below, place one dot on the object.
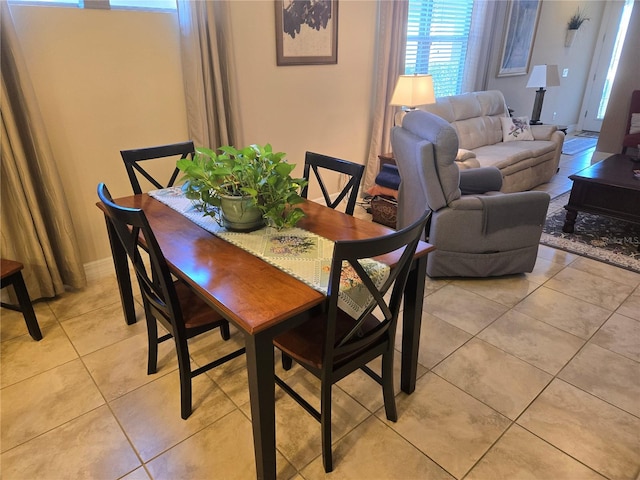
(520, 28)
(306, 32)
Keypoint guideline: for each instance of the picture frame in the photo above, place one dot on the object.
(306, 32)
(520, 32)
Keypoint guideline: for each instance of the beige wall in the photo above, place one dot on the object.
(566, 100)
(105, 81)
(110, 80)
(322, 108)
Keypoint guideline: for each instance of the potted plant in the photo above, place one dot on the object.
(243, 188)
(574, 23)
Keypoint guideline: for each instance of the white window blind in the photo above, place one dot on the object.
(437, 37)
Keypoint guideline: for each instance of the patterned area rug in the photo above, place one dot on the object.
(598, 237)
(587, 133)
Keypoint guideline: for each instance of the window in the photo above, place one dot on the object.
(155, 4)
(615, 57)
(437, 37)
(105, 4)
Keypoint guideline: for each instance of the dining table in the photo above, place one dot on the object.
(261, 300)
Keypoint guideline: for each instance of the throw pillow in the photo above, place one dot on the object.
(515, 128)
(635, 123)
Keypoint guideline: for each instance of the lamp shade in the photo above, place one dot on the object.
(543, 76)
(413, 90)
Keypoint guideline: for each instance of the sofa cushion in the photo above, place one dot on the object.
(516, 128)
(503, 155)
(475, 116)
(478, 132)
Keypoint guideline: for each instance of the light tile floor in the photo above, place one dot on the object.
(522, 377)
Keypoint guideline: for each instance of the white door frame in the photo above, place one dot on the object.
(601, 58)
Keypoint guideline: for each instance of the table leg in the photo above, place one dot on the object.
(260, 368)
(411, 323)
(121, 264)
(570, 221)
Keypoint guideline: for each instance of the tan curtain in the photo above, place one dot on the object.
(36, 226)
(392, 37)
(483, 23)
(204, 37)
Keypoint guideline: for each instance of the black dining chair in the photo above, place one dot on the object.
(318, 162)
(173, 304)
(332, 344)
(11, 274)
(132, 159)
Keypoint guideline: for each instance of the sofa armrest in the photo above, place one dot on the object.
(480, 180)
(543, 132)
(505, 210)
(464, 154)
(514, 209)
(466, 159)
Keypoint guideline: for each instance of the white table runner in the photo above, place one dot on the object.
(302, 254)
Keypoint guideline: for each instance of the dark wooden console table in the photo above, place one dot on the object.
(607, 188)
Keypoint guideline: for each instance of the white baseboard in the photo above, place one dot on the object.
(99, 269)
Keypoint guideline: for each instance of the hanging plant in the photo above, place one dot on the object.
(577, 20)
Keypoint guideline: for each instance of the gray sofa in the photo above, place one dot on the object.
(481, 233)
(476, 118)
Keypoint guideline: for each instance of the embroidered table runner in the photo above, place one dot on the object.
(302, 254)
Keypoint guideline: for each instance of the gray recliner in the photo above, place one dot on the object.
(477, 231)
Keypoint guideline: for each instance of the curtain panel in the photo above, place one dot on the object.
(390, 48)
(36, 225)
(483, 23)
(206, 69)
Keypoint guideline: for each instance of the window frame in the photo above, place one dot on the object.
(91, 5)
(429, 25)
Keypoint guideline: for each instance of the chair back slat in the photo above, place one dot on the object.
(350, 252)
(156, 284)
(315, 162)
(132, 159)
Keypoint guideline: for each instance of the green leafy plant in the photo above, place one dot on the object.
(577, 20)
(255, 171)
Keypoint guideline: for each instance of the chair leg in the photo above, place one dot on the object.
(184, 366)
(152, 340)
(287, 361)
(387, 387)
(325, 422)
(224, 331)
(26, 307)
(624, 150)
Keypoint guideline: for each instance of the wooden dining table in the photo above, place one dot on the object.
(261, 300)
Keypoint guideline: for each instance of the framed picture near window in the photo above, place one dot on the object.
(306, 32)
(520, 32)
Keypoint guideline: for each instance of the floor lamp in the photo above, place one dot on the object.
(542, 76)
(411, 91)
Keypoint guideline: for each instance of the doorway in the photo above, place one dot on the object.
(603, 69)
